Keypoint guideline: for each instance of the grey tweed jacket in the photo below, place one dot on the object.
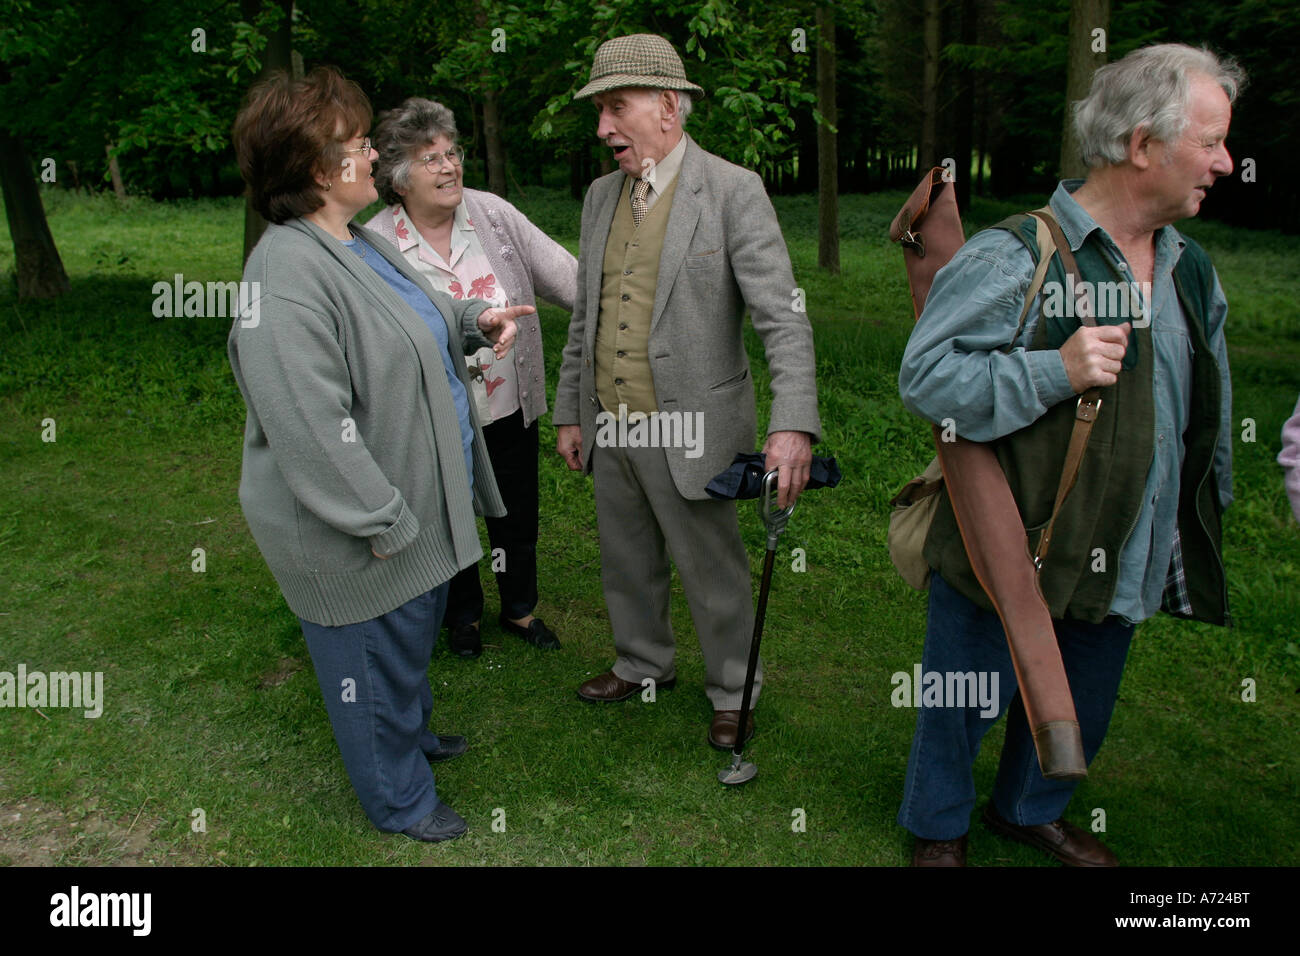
(723, 252)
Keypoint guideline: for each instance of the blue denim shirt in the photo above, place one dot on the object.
(953, 369)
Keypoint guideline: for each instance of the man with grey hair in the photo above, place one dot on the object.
(675, 245)
(1140, 531)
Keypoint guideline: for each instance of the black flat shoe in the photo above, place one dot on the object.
(443, 823)
(465, 641)
(536, 633)
(449, 747)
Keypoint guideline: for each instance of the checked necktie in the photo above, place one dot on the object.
(640, 189)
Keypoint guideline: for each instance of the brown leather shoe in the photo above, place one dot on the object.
(610, 687)
(722, 731)
(1062, 839)
(940, 852)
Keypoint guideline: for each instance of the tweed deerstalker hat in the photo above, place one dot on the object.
(642, 59)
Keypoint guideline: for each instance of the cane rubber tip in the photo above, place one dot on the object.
(1060, 750)
(738, 773)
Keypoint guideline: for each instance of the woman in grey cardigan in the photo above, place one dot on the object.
(363, 458)
(474, 245)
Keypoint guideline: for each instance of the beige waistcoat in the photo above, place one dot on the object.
(627, 296)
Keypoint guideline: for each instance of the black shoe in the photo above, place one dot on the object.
(443, 823)
(536, 633)
(449, 746)
(465, 641)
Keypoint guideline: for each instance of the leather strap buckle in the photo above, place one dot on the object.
(1087, 411)
(914, 241)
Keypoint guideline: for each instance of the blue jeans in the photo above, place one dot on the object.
(939, 792)
(374, 678)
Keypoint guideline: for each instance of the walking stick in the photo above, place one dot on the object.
(774, 519)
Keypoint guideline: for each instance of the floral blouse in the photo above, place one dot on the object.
(494, 383)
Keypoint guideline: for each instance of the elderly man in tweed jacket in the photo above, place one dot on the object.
(655, 395)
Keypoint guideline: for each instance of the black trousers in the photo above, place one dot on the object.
(513, 451)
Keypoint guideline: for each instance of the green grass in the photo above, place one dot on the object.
(211, 701)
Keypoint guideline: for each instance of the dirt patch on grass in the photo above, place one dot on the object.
(285, 668)
(38, 833)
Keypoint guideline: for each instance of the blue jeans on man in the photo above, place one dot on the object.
(939, 792)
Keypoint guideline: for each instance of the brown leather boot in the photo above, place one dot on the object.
(940, 852)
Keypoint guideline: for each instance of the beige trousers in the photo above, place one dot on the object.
(643, 520)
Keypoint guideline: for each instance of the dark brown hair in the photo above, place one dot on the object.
(290, 130)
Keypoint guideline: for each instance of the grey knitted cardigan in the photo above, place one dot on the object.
(527, 263)
(352, 441)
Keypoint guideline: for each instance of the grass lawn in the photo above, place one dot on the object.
(211, 703)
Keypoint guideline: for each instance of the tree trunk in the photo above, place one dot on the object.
(577, 173)
(496, 153)
(494, 147)
(114, 172)
(277, 56)
(40, 270)
(1085, 16)
(828, 164)
(963, 116)
(929, 153)
(806, 133)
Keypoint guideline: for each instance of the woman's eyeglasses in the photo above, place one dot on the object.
(433, 161)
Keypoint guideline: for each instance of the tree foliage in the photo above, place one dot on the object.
(129, 74)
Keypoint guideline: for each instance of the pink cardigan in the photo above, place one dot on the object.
(1289, 459)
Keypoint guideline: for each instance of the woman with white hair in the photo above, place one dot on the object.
(474, 245)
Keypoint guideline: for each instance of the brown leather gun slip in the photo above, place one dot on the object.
(930, 232)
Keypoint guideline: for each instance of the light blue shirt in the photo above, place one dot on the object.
(953, 368)
(426, 310)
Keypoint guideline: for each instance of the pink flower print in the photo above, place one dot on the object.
(401, 230)
(457, 290)
(484, 287)
(492, 384)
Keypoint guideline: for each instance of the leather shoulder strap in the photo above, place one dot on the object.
(1089, 403)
